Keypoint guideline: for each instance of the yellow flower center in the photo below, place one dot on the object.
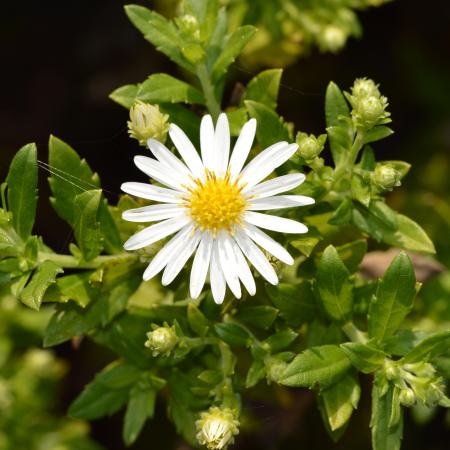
(216, 203)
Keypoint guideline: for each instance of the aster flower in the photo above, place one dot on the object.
(211, 203)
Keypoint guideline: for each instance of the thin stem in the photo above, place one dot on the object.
(353, 333)
(208, 90)
(70, 262)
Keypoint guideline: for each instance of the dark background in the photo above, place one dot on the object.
(60, 60)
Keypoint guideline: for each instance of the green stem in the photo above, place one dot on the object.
(353, 333)
(208, 91)
(70, 262)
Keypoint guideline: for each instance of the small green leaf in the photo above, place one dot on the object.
(87, 228)
(257, 316)
(197, 321)
(256, 372)
(232, 334)
(160, 32)
(352, 254)
(237, 119)
(321, 366)
(22, 188)
(163, 88)
(295, 302)
(109, 230)
(44, 277)
(340, 400)
(271, 127)
(365, 358)
(334, 286)
(125, 95)
(306, 243)
(429, 348)
(232, 48)
(360, 188)
(335, 105)
(264, 88)
(106, 394)
(140, 407)
(280, 340)
(393, 299)
(70, 176)
(385, 436)
(343, 213)
(377, 133)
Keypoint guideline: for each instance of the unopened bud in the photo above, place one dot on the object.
(407, 397)
(188, 24)
(386, 177)
(216, 428)
(369, 110)
(147, 122)
(364, 87)
(161, 340)
(333, 38)
(309, 147)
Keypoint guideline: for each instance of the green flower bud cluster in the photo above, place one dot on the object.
(309, 146)
(191, 35)
(216, 428)
(147, 122)
(369, 106)
(418, 383)
(162, 340)
(385, 177)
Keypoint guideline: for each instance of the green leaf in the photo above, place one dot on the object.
(264, 88)
(257, 316)
(197, 321)
(232, 48)
(87, 228)
(343, 213)
(340, 400)
(271, 127)
(430, 347)
(393, 299)
(112, 241)
(187, 120)
(280, 340)
(125, 95)
(141, 406)
(360, 188)
(160, 32)
(44, 277)
(339, 132)
(295, 302)
(323, 366)
(237, 119)
(70, 176)
(162, 88)
(306, 243)
(256, 372)
(22, 188)
(232, 334)
(106, 394)
(365, 358)
(352, 254)
(334, 286)
(377, 133)
(385, 436)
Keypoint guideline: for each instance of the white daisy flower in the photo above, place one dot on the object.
(210, 202)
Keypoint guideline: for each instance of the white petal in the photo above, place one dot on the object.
(268, 244)
(276, 185)
(229, 264)
(242, 148)
(207, 141)
(279, 202)
(152, 213)
(200, 265)
(160, 172)
(151, 192)
(166, 157)
(275, 223)
(216, 276)
(163, 257)
(270, 160)
(243, 271)
(186, 150)
(155, 232)
(222, 144)
(256, 257)
(175, 265)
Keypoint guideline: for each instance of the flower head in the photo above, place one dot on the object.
(216, 428)
(210, 204)
(162, 340)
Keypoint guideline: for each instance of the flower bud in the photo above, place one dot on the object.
(146, 121)
(407, 397)
(386, 177)
(364, 87)
(309, 147)
(369, 110)
(216, 428)
(332, 38)
(161, 340)
(188, 24)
